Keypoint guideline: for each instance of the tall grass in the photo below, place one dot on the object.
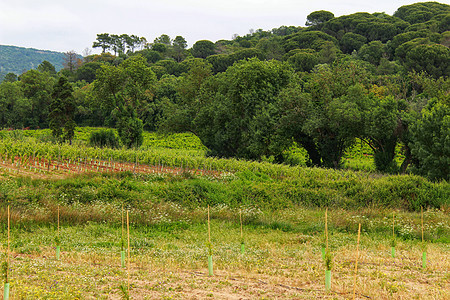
(166, 200)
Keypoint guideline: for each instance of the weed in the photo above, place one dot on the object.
(124, 292)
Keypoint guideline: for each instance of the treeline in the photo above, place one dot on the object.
(380, 78)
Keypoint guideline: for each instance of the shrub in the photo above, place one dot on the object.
(104, 138)
(130, 131)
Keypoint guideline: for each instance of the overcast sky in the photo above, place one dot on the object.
(63, 25)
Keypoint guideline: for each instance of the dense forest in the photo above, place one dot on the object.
(18, 59)
(374, 77)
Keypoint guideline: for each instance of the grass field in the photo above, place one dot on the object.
(169, 245)
(282, 258)
(283, 212)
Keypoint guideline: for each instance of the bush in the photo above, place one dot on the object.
(430, 142)
(104, 138)
(130, 131)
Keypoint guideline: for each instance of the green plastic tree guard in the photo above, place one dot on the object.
(328, 280)
(122, 258)
(424, 259)
(210, 265)
(6, 291)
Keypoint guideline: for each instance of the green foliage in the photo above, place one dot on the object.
(328, 261)
(5, 271)
(179, 48)
(163, 39)
(263, 185)
(380, 30)
(104, 138)
(167, 66)
(203, 49)
(378, 26)
(325, 118)
(130, 130)
(57, 240)
(296, 156)
(383, 130)
(318, 17)
(118, 43)
(303, 61)
(87, 72)
(393, 242)
(402, 51)
(421, 12)
(221, 62)
(180, 42)
(15, 109)
(151, 56)
(430, 141)
(103, 41)
(432, 59)
(37, 88)
(124, 92)
(124, 290)
(185, 141)
(402, 38)
(17, 59)
(372, 52)
(159, 47)
(271, 48)
(246, 114)
(210, 248)
(62, 109)
(46, 66)
(10, 77)
(307, 40)
(351, 42)
(122, 243)
(237, 121)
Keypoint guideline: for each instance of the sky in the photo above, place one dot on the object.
(62, 25)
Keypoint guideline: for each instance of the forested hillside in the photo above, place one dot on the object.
(377, 78)
(18, 59)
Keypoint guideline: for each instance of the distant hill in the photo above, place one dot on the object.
(18, 59)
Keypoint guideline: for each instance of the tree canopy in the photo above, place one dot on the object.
(382, 80)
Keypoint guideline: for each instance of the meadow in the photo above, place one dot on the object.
(166, 190)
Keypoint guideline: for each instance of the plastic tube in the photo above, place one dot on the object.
(328, 280)
(210, 265)
(122, 258)
(6, 291)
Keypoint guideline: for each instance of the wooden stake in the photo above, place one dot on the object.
(209, 229)
(393, 233)
(240, 217)
(8, 250)
(421, 217)
(121, 242)
(128, 262)
(9, 218)
(326, 228)
(356, 262)
(58, 222)
(210, 263)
